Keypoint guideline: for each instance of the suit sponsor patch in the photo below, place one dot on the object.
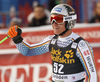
(82, 44)
(74, 45)
(53, 41)
(58, 9)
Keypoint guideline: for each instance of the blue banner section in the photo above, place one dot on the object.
(84, 8)
(81, 11)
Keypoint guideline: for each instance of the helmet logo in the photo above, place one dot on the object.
(68, 18)
(58, 9)
(71, 12)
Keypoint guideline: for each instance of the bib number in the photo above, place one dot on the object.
(58, 68)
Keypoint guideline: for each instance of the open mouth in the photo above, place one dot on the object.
(56, 27)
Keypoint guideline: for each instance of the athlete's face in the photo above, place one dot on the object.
(58, 28)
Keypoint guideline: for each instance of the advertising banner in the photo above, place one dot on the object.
(14, 67)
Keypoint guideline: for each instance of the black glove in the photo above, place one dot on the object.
(18, 38)
(15, 33)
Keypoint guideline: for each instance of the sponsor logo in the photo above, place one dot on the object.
(59, 77)
(82, 44)
(53, 41)
(56, 52)
(68, 18)
(69, 55)
(25, 73)
(71, 12)
(90, 63)
(67, 58)
(58, 9)
(86, 52)
(90, 34)
(73, 77)
(58, 81)
(74, 45)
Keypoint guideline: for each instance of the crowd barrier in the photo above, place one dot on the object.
(14, 67)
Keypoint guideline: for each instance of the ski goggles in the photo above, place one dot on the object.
(59, 19)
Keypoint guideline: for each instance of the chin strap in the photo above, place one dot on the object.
(61, 34)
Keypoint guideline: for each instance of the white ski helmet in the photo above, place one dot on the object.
(68, 12)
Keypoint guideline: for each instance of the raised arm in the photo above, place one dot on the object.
(25, 48)
(35, 49)
(85, 54)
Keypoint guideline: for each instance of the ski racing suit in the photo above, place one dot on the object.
(72, 57)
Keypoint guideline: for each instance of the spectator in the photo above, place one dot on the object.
(96, 17)
(39, 16)
(15, 21)
(52, 3)
(2, 26)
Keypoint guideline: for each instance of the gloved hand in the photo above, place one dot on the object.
(15, 33)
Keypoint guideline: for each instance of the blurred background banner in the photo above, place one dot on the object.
(33, 17)
(90, 32)
(14, 67)
(9, 9)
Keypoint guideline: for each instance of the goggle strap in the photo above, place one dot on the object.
(69, 18)
(53, 20)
